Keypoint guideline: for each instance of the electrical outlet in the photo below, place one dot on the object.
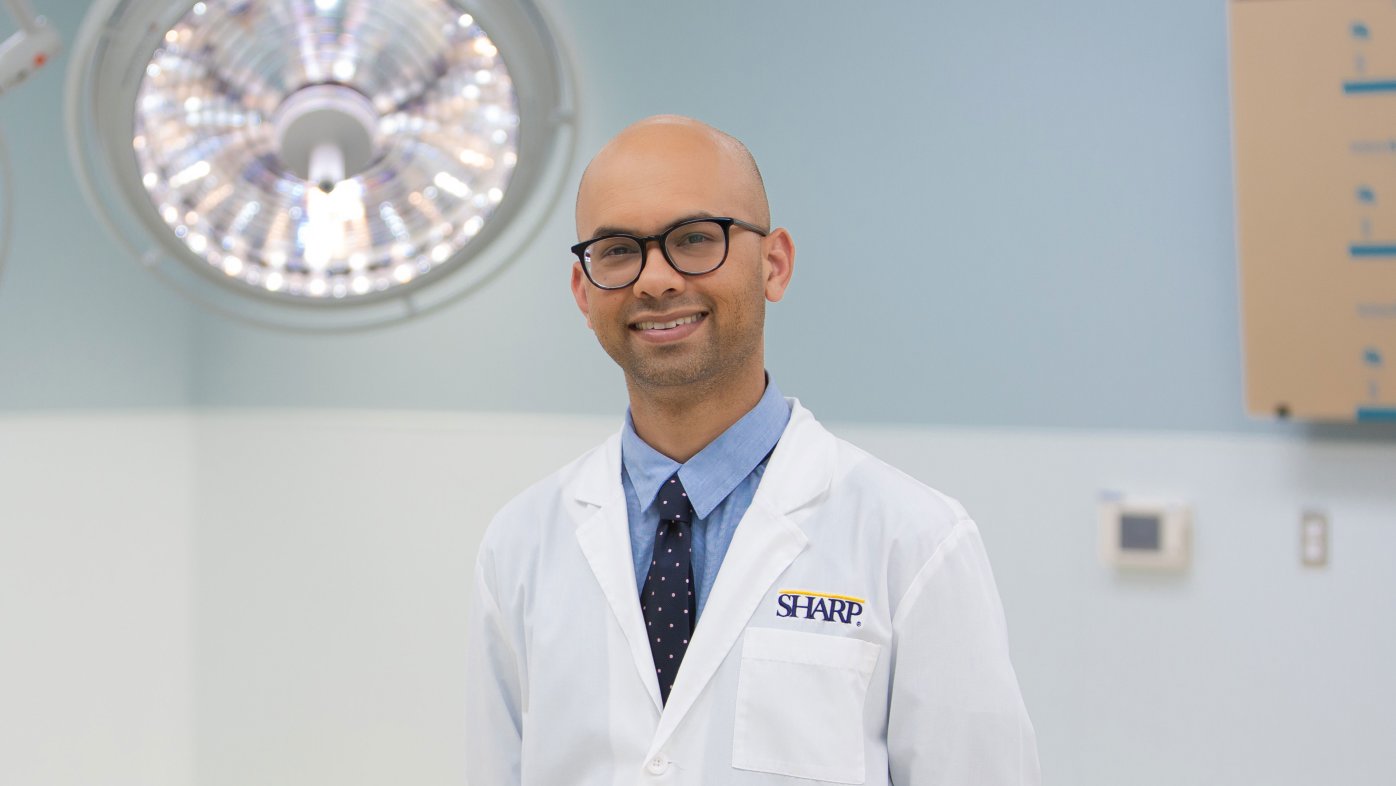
(1313, 539)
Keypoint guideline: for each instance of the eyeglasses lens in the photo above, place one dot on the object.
(694, 248)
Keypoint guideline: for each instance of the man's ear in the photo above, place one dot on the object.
(779, 262)
(579, 291)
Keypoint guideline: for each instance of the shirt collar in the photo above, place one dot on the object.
(716, 470)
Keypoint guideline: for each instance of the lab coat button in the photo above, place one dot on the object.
(658, 765)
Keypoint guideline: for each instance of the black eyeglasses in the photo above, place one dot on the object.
(692, 247)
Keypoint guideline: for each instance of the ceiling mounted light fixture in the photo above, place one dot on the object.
(320, 164)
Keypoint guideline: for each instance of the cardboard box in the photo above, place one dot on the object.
(1313, 95)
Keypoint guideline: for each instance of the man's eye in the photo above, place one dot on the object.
(694, 239)
(617, 251)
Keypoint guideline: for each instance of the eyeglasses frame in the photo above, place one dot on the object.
(644, 240)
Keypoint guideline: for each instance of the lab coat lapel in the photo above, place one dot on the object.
(765, 543)
(604, 537)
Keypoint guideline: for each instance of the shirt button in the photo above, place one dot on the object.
(658, 765)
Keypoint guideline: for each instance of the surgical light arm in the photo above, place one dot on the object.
(29, 48)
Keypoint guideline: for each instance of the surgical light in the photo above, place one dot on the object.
(320, 164)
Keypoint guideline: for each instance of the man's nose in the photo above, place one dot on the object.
(657, 278)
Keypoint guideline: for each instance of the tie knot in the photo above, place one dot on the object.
(672, 502)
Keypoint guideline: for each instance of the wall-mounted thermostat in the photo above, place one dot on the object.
(1146, 535)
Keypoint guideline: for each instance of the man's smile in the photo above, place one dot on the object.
(664, 328)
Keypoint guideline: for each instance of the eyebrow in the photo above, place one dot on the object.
(612, 230)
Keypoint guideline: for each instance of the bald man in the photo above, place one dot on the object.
(724, 592)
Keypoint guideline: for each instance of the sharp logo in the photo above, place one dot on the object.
(802, 604)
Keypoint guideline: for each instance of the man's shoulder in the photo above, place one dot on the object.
(893, 504)
(883, 491)
(904, 524)
(894, 486)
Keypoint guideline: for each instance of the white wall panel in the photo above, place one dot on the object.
(1248, 668)
(334, 563)
(95, 645)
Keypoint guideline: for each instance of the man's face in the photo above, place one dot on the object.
(643, 188)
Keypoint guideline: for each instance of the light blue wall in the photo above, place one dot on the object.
(1005, 214)
(81, 327)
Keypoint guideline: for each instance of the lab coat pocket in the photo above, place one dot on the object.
(800, 703)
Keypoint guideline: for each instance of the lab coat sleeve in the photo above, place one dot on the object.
(956, 715)
(494, 702)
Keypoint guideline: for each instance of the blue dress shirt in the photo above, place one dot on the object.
(720, 480)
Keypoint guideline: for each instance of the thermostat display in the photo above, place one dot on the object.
(1149, 535)
(1141, 533)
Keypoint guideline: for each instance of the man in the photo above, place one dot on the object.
(724, 593)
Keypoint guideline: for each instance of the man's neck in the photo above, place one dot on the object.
(679, 422)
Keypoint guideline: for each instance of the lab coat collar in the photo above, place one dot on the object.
(766, 542)
(808, 473)
(711, 474)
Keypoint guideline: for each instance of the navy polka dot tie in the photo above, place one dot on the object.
(667, 600)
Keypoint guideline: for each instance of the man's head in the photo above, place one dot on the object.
(653, 175)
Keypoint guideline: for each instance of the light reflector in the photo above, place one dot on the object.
(320, 164)
(296, 137)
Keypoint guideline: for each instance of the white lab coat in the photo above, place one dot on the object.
(915, 689)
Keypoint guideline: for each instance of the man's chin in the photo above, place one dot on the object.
(676, 372)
